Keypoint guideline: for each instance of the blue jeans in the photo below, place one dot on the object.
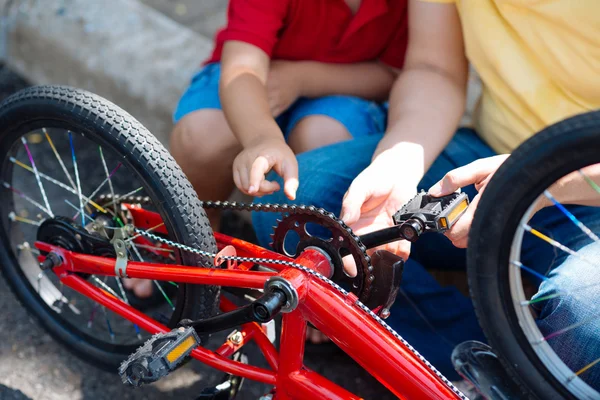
(431, 317)
(360, 117)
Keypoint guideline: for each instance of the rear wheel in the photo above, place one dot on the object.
(539, 310)
(60, 149)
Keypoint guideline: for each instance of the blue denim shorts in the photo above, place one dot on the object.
(360, 117)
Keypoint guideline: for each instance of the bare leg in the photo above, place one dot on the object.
(204, 147)
(316, 131)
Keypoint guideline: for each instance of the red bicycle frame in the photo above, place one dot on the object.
(353, 330)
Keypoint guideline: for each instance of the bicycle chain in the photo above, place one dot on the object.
(286, 208)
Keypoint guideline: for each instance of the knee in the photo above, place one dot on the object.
(203, 138)
(568, 296)
(316, 131)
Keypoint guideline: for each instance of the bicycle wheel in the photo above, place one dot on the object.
(65, 156)
(531, 262)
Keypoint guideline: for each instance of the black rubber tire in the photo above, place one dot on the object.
(175, 199)
(533, 167)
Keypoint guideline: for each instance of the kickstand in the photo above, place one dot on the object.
(230, 384)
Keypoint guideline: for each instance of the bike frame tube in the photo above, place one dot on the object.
(338, 316)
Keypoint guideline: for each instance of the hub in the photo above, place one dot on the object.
(63, 232)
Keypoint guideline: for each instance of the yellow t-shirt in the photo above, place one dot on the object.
(539, 61)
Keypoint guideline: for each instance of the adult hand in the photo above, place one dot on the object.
(372, 200)
(283, 86)
(477, 173)
(257, 159)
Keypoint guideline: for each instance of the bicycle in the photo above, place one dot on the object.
(66, 260)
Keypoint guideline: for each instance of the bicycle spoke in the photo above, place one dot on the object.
(560, 293)
(37, 176)
(134, 191)
(14, 217)
(144, 246)
(92, 315)
(558, 245)
(76, 209)
(57, 183)
(110, 331)
(590, 365)
(531, 271)
(27, 198)
(590, 182)
(106, 287)
(77, 178)
(573, 219)
(147, 231)
(88, 200)
(126, 299)
(571, 327)
(108, 175)
(59, 158)
(162, 291)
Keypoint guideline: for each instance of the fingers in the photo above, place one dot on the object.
(288, 170)
(315, 336)
(400, 248)
(472, 173)
(259, 168)
(353, 201)
(349, 266)
(142, 288)
(241, 177)
(267, 187)
(459, 234)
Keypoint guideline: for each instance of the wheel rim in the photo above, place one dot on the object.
(540, 344)
(36, 161)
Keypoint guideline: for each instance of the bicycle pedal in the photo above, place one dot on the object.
(159, 356)
(425, 213)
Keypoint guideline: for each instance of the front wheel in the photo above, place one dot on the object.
(534, 274)
(69, 159)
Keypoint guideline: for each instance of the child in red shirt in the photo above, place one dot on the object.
(306, 72)
(285, 77)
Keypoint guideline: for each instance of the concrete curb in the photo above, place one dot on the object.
(120, 49)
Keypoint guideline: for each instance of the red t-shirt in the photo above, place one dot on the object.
(319, 30)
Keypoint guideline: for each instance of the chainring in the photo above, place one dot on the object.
(342, 242)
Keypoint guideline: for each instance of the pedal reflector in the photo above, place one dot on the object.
(182, 349)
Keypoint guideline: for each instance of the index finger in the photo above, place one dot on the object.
(260, 167)
(461, 177)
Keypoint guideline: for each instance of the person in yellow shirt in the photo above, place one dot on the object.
(539, 62)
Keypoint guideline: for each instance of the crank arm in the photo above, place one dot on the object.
(424, 213)
(261, 310)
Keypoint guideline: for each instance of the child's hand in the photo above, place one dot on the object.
(258, 158)
(283, 85)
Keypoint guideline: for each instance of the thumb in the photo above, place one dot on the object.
(352, 204)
